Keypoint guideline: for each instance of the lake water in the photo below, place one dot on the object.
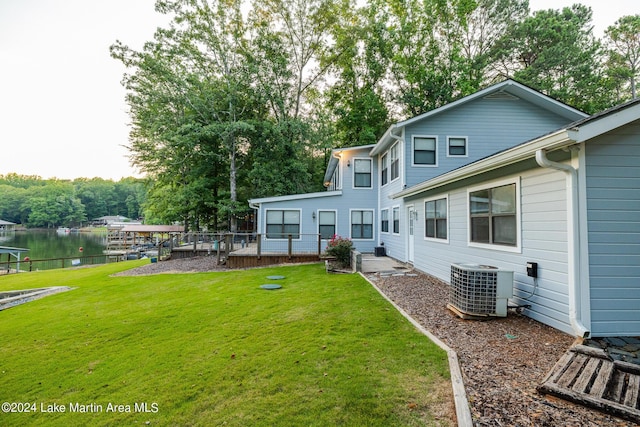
(44, 244)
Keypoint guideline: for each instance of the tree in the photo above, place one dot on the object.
(356, 99)
(482, 28)
(289, 51)
(189, 97)
(623, 42)
(54, 205)
(555, 52)
(97, 195)
(12, 203)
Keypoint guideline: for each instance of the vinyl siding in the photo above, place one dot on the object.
(395, 244)
(543, 222)
(490, 125)
(613, 206)
(351, 199)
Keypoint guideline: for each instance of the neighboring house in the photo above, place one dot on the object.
(503, 177)
(7, 226)
(110, 219)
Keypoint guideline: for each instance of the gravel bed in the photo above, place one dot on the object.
(502, 360)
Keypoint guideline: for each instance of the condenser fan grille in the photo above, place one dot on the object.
(480, 290)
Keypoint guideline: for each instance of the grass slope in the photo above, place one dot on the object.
(215, 349)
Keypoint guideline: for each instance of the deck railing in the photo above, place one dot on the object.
(251, 243)
(7, 267)
(190, 244)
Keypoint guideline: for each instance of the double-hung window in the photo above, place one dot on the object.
(435, 218)
(424, 151)
(282, 223)
(362, 224)
(384, 220)
(362, 173)
(396, 220)
(395, 161)
(327, 224)
(457, 146)
(493, 215)
(384, 169)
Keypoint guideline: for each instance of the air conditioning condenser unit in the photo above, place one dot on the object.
(479, 291)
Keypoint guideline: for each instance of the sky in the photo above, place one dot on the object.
(62, 108)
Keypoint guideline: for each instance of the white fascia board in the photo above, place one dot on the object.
(383, 142)
(515, 154)
(598, 126)
(295, 197)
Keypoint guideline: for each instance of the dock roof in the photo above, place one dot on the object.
(141, 228)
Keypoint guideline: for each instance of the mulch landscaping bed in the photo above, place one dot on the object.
(502, 360)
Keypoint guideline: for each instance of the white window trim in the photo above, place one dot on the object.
(466, 146)
(282, 209)
(391, 220)
(502, 248)
(435, 239)
(373, 225)
(353, 172)
(386, 154)
(418, 165)
(399, 157)
(335, 211)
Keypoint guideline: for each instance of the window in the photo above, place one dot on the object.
(384, 166)
(396, 220)
(457, 146)
(362, 173)
(327, 224)
(384, 220)
(493, 217)
(281, 223)
(435, 219)
(395, 162)
(362, 224)
(424, 150)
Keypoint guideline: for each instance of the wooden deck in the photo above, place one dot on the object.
(588, 376)
(248, 260)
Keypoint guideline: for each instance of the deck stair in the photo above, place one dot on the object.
(591, 377)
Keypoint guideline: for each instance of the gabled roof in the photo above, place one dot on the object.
(3, 222)
(578, 131)
(507, 89)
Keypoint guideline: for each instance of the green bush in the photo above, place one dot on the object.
(340, 248)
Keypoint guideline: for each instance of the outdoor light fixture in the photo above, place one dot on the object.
(313, 215)
(348, 163)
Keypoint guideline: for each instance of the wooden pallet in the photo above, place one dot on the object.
(588, 376)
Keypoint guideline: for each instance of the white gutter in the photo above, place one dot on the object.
(573, 241)
(394, 136)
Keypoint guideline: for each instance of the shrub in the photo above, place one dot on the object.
(340, 248)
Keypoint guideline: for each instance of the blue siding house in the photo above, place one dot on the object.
(568, 201)
(503, 177)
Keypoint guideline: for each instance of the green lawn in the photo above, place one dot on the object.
(215, 349)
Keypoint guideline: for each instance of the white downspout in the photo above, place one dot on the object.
(574, 253)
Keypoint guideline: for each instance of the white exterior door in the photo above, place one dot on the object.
(411, 217)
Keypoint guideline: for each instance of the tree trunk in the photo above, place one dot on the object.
(233, 222)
